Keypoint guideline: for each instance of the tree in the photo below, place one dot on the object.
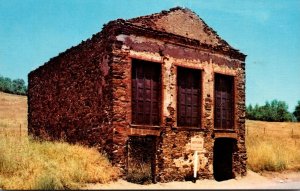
(6, 84)
(280, 111)
(249, 112)
(297, 112)
(257, 113)
(16, 86)
(267, 112)
(271, 111)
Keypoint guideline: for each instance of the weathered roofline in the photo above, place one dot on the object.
(121, 26)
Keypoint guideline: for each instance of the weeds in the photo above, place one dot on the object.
(28, 164)
(140, 173)
(271, 147)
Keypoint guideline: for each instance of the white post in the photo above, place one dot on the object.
(195, 164)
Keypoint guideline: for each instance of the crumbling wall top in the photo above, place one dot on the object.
(183, 22)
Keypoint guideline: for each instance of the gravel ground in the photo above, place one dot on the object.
(266, 180)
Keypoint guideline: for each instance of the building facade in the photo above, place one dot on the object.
(142, 90)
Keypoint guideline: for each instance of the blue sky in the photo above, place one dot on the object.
(268, 31)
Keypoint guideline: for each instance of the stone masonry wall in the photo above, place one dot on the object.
(174, 157)
(70, 98)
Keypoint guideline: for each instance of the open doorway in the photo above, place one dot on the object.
(223, 157)
(141, 159)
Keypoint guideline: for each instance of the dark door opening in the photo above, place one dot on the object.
(223, 154)
(141, 159)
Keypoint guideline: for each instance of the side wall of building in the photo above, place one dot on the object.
(174, 159)
(70, 98)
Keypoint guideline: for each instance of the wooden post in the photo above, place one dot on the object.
(292, 132)
(195, 165)
(264, 130)
(20, 129)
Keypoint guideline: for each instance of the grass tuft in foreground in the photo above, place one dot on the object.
(29, 164)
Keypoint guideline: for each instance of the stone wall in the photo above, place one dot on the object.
(174, 158)
(69, 97)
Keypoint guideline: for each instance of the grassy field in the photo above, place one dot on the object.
(28, 164)
(13, 112)
(273, 146)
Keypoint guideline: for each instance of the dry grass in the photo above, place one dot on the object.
(29, 164)
(13, 111)
(273, 146)
(140, 173)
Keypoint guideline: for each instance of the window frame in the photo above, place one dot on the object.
(200, 98)
(133, 122)
(233, 101)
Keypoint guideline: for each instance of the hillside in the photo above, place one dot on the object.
(13, 111)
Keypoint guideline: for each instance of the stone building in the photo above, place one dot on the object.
(142, 90)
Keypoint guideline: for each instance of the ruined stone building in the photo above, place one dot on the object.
(142, 90)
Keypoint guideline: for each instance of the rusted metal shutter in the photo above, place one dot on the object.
(145, 92)
(188, 99)
(223, 102)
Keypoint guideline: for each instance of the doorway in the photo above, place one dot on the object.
(141, 159)
(223, 158)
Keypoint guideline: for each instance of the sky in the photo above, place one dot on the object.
(267, 31)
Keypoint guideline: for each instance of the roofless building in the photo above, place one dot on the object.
(148, 91)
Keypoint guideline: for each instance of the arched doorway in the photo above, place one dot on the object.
(223, 158)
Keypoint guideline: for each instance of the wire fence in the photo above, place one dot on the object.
(288, 135)
(294, 133)
(16, 130)
(291, 132)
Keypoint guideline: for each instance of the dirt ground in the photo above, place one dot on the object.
(266, 180)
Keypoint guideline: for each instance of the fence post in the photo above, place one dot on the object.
(264, 130)
(292, 132)
(20, 129)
